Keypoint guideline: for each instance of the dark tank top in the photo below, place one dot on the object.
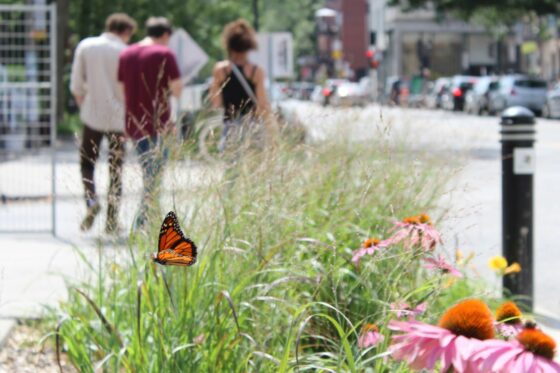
(237, 102)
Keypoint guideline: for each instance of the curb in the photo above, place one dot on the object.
(6, 326)
(550, 319)
(550, 324)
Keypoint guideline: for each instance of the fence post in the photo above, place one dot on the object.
(54, 105)
(518, 165)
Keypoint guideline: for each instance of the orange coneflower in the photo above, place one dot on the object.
(509, 313)
(471, 318)
(508, 320)
(369, 247)
(412, 220)
(532, 351)
(460, 330)
(370, 336)
(370, 242)
(414, 231)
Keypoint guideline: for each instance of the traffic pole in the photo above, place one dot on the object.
(518, 166)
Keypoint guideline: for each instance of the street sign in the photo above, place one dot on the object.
(190, 56)
(275, 54)
(523, 161)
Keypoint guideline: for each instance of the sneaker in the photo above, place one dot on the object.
(113, 229)
(90, 217)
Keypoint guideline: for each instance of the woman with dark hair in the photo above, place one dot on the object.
(238, 85)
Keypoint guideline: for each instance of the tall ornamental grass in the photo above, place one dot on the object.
(274, 288)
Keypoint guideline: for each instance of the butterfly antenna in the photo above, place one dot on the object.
(173, 197)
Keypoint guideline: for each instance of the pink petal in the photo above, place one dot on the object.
(505, 358)
(547, 366)
(526, 360)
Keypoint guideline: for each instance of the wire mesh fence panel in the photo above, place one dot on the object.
(27, 117)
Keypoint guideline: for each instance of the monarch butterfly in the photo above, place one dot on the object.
(173, 247)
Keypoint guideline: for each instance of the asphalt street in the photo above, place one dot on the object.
(472, 205)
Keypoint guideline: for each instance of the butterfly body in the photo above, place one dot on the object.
(173, 247)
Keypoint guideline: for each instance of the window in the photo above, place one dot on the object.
(530, 83)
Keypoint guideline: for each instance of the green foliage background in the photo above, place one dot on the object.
(203, 20)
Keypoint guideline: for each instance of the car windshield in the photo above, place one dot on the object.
(530, 83)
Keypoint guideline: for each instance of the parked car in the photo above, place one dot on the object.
(302, 90)
(454, 98)
(476, 99)
(519, 90)
(433, 99)
(323, 94)
(552, 106)
(348, 94)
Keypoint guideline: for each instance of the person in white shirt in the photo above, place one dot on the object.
(95, 88)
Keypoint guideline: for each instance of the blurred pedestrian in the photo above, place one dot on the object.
(238, 86)
(149, 75)
(95, 89)
(396, 92)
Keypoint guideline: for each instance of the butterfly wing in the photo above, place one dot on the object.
(173, 247)
(170, 257)
(170, 232)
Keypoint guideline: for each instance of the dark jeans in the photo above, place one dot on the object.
(152, 158)
(89, 152)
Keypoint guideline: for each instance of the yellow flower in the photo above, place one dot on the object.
(497, 263)
(459, 256)
(513, 268)
(449, 283)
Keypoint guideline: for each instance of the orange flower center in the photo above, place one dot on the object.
(425, 219)
(412, 220)
(537, 342)
(369, 328)
(370, 242)
(508, 313)
(471, 318)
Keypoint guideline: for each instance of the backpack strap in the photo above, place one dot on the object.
(244, 83)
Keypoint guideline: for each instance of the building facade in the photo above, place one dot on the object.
(354, 33)
(412, 42)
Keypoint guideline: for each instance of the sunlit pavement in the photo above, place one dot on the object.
(474, 221)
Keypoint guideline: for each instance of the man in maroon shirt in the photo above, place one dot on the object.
(148, 74)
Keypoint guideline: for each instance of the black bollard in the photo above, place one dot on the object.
(518, 164)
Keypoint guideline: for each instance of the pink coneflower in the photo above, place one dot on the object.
(442, 265)
(416, 231)
(369, 247)
(460, 330)
(403, 309)
(532, 351)
(370, 336)
(508, 320)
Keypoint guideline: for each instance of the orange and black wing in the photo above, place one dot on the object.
(170, 232)
(170, 257)
(173, 246)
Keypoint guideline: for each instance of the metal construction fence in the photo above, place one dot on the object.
(27, 117)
